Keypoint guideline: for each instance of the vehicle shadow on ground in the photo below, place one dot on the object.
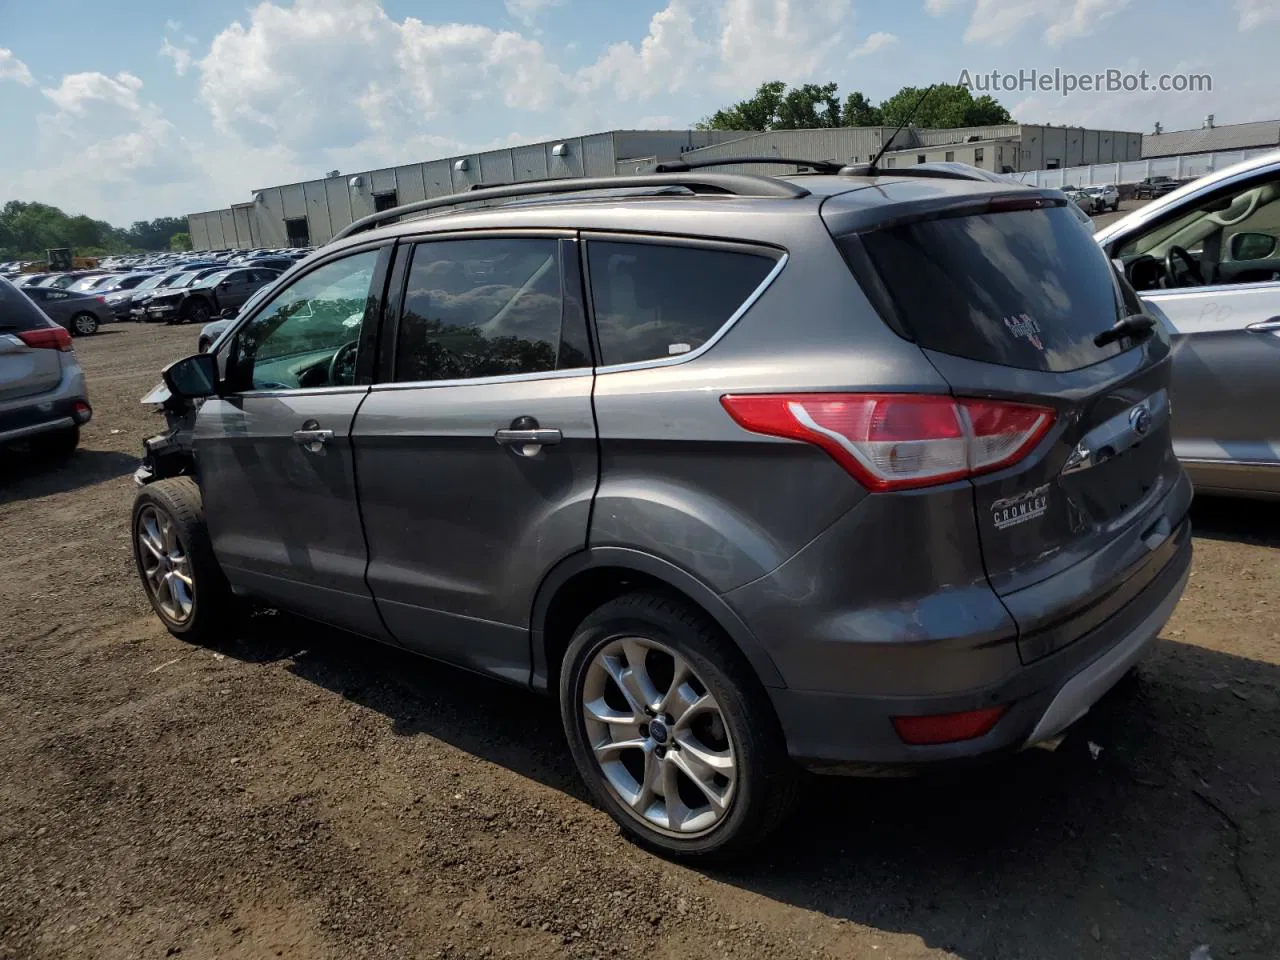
(1167, 838)
(24, 476)
(1237, 520)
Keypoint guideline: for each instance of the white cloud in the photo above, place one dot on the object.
(937, 8)
(778, 40)
(1254, 13)
(181, 56)
(11, 68)
(667, 57)
(998, 21)
(877, 41)
(526, 11)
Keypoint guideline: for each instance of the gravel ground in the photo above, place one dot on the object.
(296, 793)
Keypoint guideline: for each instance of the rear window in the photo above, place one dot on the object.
(17, 312)
(654, 301)
(1024, 288)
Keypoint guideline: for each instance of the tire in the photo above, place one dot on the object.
(739, 734)
(197, 312)
(177, 509)
(58, 445)
(84, 325)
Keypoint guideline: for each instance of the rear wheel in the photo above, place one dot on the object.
(84, 324)
(175, 561)
(672, 730)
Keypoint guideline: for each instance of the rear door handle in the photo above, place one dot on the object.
(1264, 326)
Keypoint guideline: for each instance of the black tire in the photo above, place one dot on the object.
(213, 607)
(58, 445)
(197, 311)
(767, 780)
(84, 324)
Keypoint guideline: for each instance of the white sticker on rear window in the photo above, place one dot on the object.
(1022, 325)
(1012, 511)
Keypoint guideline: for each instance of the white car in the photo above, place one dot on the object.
(1081, 199)
(1106, 197)
(1206, 257)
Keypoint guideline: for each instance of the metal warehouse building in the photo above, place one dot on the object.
(1211, 138)
(302, 214)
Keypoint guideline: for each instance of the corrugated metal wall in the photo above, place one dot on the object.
(331, 204)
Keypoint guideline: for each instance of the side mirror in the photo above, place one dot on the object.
(192, 377)
(1252, 246)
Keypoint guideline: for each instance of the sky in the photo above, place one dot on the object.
(147, 108)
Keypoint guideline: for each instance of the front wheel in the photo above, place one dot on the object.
(175, 561)
(84, 324)
(672, 730)
(198, 312)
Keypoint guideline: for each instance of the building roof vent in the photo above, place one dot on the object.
(1208, 122)
(462, 166)
(1159, 128)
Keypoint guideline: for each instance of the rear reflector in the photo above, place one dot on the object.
(46, 338)
(947, 727)
(895, 441)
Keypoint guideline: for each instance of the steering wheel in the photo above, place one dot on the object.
(1193, 267)
(345, 356)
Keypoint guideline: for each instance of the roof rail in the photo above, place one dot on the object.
(732, 184)
(683, 166)
(940, 171)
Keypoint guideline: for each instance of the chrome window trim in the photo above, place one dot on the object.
(499, 378)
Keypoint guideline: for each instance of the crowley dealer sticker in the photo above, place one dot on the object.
(1012, 511)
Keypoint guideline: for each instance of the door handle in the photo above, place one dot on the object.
(1264, 326)
(311, 437)
(526, 438)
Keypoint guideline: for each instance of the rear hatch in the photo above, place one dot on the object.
(24, 371)
(1005, 297)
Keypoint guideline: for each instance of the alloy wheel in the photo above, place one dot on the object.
(84, 324)
(659, 737)
(166, 568)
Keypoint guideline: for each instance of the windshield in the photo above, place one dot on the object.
(183, 280)
(214, 279)
(151, 282)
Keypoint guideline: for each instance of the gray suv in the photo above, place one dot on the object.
(854, 473)
(43, 402)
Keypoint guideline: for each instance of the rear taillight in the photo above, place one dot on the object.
(101, 299)
(46, 338)
(896, 441)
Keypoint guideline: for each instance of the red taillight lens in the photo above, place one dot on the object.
(947, 727)
(101, 299)
(898, 441)
(46, 338)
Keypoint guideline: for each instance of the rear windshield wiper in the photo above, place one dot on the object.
(1137, 326)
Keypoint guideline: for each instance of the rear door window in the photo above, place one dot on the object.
(653, 301)
(493, 306)
(1022, 288)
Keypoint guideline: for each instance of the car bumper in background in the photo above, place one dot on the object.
(61, 408)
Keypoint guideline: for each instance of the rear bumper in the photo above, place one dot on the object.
(47, 412)
(853, 733)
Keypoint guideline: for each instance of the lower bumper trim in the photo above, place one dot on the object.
(20, 433)
(1088, 686)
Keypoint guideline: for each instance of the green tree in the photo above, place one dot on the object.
(27, 230)
(180, 241)
(859, 112)
(808, 107)
(949, 105)
(759, 112)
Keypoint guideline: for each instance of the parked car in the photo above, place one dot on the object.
(138, 307)
(198, 301)
(121, 302)
(1105, 197)
(80, 313)
(1081, 199)
(1153, 187)
(1207, 258)
(729, 536)
(43, 401)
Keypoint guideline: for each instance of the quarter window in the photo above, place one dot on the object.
(496, 306)
(654, 301)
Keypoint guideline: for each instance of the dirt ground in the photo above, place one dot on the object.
(299, 794)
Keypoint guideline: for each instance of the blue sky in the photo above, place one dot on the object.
(136, 110)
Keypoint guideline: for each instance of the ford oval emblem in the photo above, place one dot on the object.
(1140, 420)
